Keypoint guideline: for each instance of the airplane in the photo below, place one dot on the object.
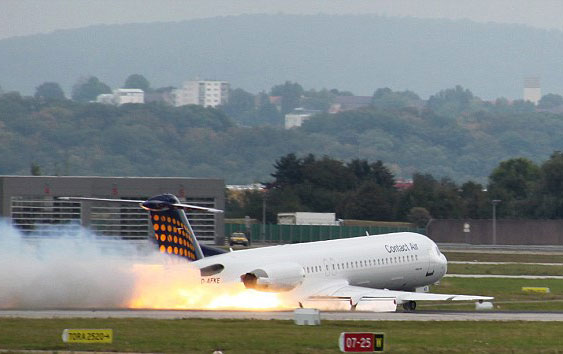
(376, 272)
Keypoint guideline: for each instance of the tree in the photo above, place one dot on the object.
(514, 178)
(137, 81)
(49, 91)
(289, 171)
(241, 106)
(548, 201)
(553, 174)
(419, 216)
(291, 94)
(451, 101)
(369, 202)
(385, 97)
(86, 90)
(267, 113)
(376, 172)
(514, 182)
(440, 198)
(35, 169)
(476, 201)
(550, 101)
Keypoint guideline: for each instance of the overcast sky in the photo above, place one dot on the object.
(24, 17)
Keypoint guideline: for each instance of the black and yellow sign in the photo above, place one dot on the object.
(88, 336)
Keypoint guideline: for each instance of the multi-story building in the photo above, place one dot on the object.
(532, 89)
(202, 92)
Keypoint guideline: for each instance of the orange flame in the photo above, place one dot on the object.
(177, 286)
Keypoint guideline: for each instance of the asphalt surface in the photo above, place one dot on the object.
(288, 315)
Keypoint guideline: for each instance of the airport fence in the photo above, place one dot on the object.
(282, 234)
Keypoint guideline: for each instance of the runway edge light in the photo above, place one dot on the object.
(87, 336)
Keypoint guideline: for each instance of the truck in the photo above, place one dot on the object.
(307, 218)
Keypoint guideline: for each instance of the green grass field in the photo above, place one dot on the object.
(507, 292)
(254, 336)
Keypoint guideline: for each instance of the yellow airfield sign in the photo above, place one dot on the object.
(88, 336)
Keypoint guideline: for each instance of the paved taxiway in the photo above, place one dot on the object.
(288, 315)
(503, 276)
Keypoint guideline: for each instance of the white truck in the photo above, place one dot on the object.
(306, 218)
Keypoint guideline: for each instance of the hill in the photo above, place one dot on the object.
(356, 53)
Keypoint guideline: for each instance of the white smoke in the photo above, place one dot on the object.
(72, 270)
(76, 270)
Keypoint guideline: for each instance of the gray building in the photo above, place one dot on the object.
(31, 203)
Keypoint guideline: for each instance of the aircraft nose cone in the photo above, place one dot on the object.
(444, 263)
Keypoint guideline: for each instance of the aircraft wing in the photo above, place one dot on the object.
(343, 291)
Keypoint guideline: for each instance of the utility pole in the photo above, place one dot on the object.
(264, 216)
(495, 202)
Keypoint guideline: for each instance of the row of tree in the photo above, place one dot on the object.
(88, 88)
(453, 134)
(362, 190)
(249, 109)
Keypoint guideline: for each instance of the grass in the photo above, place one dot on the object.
(505, 269)
(254, 336)
(507, 292)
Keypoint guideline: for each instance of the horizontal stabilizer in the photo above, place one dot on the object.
(140, 202)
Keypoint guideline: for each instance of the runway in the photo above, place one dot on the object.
(288, 315)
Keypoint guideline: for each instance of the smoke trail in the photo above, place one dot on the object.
(69, 271)
(78, 270)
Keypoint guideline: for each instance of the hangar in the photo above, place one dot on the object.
(31, 203)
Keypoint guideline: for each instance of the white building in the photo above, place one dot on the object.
(532, 89)
(297, 117)
(202, 92)
(122, 96)
(105, 98)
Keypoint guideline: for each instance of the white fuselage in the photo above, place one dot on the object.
(398, 261)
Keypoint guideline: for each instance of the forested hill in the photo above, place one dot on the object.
(69, 138)
(254, 52)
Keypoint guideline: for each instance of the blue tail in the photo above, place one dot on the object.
(172, 230)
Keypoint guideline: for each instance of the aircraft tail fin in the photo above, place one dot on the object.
(172, 230)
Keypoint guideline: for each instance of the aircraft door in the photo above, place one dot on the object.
(430, 269)
(326, 263)
(332, 266)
